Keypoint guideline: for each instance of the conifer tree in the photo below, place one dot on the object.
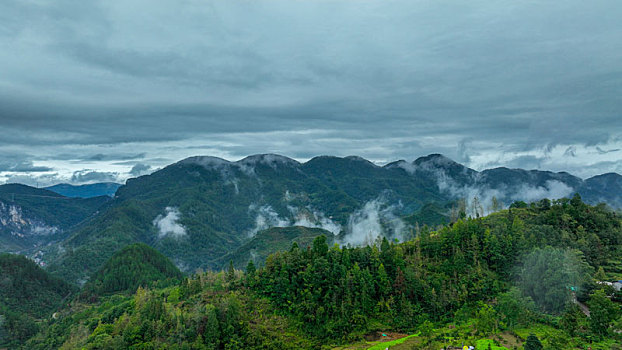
(230, 272)
(532, 343)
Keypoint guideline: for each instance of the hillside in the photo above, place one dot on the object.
(200, 209)
(432, 277)
(32, 217)
(136, 265)
(273, 240)
(27, 293)
(468, 283)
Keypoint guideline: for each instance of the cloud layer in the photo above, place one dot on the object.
(109, 85)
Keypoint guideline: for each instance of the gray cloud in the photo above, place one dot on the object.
(22, 166)
(101, 156)
(91, 176)
(486, 83)
(526, 162)
(139, 169)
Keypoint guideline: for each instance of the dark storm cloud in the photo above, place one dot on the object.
(101, 156)
(487, 83)
(22, 166)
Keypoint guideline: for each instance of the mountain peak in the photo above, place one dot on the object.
(333, 163)
(205, 161)
(410, 168)
(436, 159)
(269, 159)
(360, 159)
(608, 176)
(396, 163)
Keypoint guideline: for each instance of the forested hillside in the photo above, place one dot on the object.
(133, 266)
(432, 277)
(27, 293)
(491, 280)
(273, 240)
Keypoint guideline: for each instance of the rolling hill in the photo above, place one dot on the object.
(136, 265)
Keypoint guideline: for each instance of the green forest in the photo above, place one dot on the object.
(521, 278)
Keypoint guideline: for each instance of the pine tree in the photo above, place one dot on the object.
(532, 343)
(230, 272)
(250, 268)
(212, 327)
(600, 274)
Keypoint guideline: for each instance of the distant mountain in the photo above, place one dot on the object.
(606, 188)
(480, 189)
(86, 191)
(200, 209)
(32, 217)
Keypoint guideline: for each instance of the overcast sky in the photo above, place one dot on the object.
(103, 90)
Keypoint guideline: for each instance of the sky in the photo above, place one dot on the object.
(105, 90)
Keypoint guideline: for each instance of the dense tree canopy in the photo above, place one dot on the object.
(505, 272)
(27, 293)
(133, 266)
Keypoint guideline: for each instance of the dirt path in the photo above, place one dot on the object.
(583, 307)
(388, 336)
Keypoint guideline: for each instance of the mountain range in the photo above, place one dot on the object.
(203, 209)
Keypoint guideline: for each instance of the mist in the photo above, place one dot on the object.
(376, 218)
(168, 225)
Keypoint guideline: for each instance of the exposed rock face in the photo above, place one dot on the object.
(13, 220)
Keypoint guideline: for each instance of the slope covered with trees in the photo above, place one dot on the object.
(432, 277)
(273, 240)
(470, 281)
(133, 266)
(27, 293)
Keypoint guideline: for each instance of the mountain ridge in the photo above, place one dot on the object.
(201, 208)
